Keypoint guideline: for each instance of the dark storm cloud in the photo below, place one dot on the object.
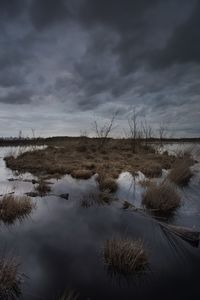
(11, 8)
(48, 12)
(184, 45)
(11, 78)
(17, 97)
(143, 26)
(79, 56)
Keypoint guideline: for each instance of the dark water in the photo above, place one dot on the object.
(60, 246)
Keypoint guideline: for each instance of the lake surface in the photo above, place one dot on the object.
(60, 245)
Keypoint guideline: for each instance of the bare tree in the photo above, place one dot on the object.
(135, 134)
(20, 135)
(147, 131)
(103, 131)
(83, 133)
(162, 131)
(33, 133)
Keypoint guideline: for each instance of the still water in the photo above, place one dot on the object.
(60, 245)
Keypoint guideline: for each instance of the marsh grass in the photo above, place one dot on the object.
(125, 256)
(151, 169)
(14, 208)
(106, 182)
(10, 279)
(161, 198)
(70, 156)
(181, 173)
(82, 174)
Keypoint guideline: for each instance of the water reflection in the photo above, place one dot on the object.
(60, 245)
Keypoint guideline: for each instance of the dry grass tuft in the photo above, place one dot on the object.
(125, 256)
(108, 184)
(15, 207)
(162, 198)
(152, 169)
(10, 279)
(145, 183)
(82, 174)
(181, 173)
(42, 188)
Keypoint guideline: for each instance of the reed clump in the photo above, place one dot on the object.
(82, 174)
(10, 279)
(125, 256)
(181, 173)
(14, 208)
(106, 182)
(152, 169)
(161, 198)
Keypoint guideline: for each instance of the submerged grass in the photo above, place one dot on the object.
(14, 208)
(125, 256)
(99, 199)
(10, 279)
(161, 198)
(42, 188)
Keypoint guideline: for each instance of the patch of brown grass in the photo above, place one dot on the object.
(181, 173)
(145, 183)
(151, 169)
(70, 157)
(125, 256)
(10, 279)
(15, 207)
(82, 174)
(108, 184)
(162, 198)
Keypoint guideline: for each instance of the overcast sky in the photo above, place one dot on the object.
(64, 63)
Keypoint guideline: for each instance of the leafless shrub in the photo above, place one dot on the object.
(134, 133)
(162, 132)
(147, 132)
(103, 131)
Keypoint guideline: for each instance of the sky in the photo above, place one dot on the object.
(66, 63)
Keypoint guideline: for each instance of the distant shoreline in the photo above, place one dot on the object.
(51, 140)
